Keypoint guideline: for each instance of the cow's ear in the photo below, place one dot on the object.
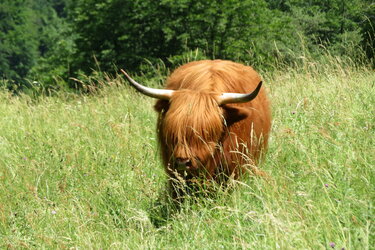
(234, 114)
(161, 106)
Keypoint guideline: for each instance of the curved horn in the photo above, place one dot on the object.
(163, 94)
(226, 98)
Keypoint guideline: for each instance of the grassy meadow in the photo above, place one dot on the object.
(83, 171)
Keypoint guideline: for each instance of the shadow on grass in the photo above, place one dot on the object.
(185, 198)
(162, 211)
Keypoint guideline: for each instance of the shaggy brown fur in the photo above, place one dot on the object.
(218, 140)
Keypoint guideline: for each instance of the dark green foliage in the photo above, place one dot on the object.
(49, 41)
(126, 33)
(368, 29)
(55, 46)
(18, 39)
(115, 32)
(31, 46)
(236, 30)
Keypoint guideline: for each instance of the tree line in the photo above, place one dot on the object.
(50, 41)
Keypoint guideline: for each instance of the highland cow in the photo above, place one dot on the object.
(214, 120)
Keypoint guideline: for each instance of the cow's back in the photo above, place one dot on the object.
(214, 76)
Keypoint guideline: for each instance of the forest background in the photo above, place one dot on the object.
(57, 44)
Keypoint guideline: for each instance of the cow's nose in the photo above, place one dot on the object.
(183, 162)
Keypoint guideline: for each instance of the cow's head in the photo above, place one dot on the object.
(193, 123)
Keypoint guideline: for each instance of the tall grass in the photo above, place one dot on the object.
(83, 171)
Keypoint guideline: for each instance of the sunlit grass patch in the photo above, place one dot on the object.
(83, 171)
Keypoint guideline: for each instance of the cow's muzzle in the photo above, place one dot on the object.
(183, 164)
